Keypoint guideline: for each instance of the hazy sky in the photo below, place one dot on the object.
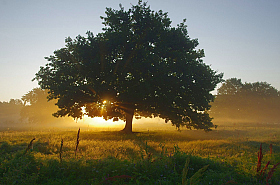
(241, 38)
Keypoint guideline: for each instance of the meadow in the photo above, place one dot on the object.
(227, 155)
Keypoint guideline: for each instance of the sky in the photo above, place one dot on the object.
(240, 37)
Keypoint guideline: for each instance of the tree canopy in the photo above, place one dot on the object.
(139, 65)
(256, 102)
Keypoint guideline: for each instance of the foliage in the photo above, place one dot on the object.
(257, 102)
(139, 65)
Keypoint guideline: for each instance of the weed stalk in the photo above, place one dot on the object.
(260, 156)
(30, 146)
(77, 143)
(60, 151)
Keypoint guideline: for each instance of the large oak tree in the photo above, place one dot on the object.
(138, 66)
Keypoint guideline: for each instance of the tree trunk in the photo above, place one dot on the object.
(128, 123)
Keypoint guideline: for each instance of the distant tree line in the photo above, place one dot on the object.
(257, 102)
(33, 109)
(37, 109)
(235, 102)
(10, 112)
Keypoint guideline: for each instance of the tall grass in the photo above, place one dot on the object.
(165, 157)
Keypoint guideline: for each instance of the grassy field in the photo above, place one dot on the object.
(145, 157)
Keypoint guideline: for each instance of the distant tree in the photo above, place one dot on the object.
(250, 102)
(231, 86)
(10, 112)
(259, 89)
(234, 86)
(38, 110)
(139, 65)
